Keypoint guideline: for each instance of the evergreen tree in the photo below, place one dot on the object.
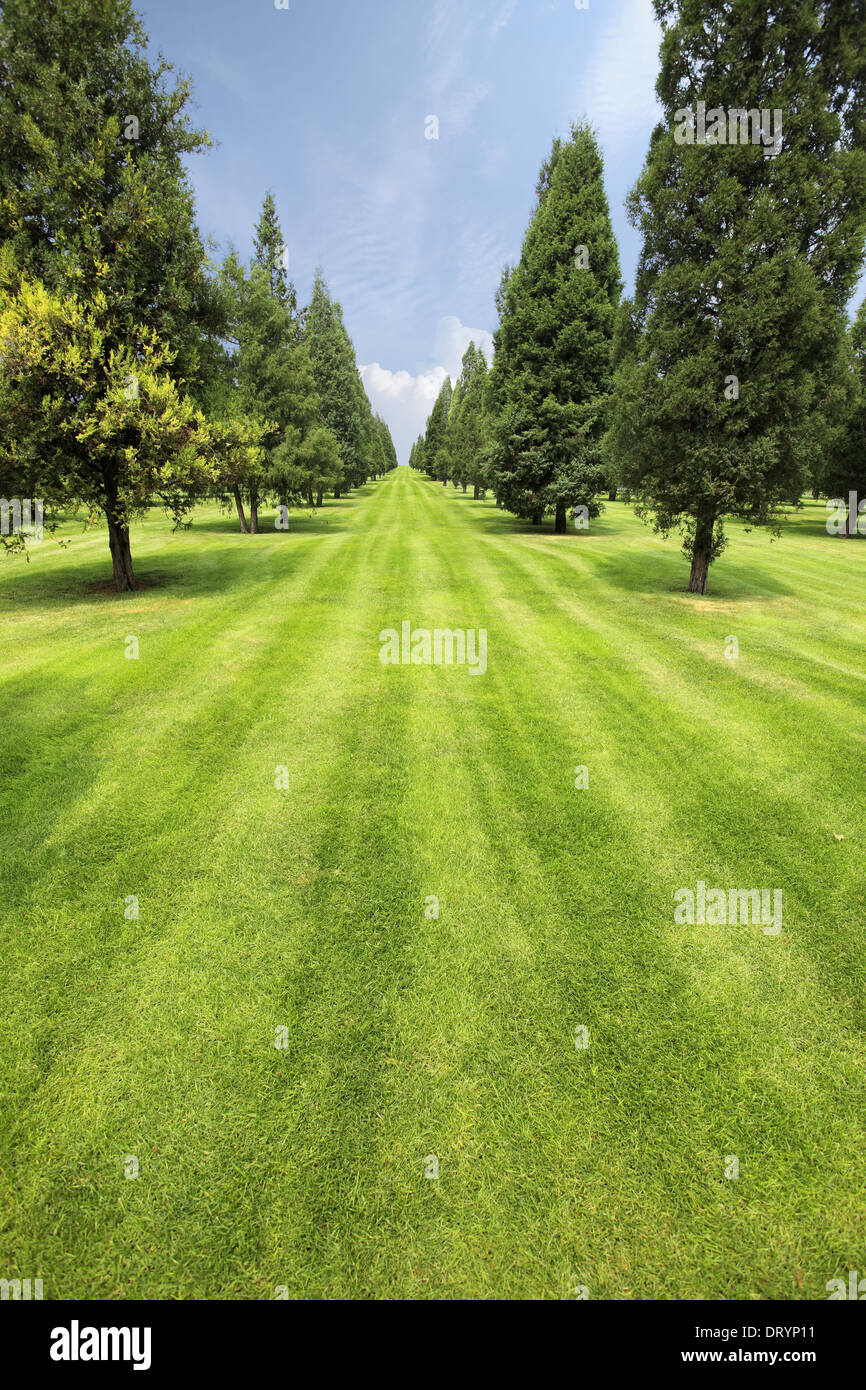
(386, 451)
(416, 454)
(344, 408)
(469, 420)
(271, 254)
(750, 253)
(434, 438)
(273, 376)
(552, 375)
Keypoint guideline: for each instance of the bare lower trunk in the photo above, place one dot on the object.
(463, 485)
(536, 518)
(701, 554)
(336, 492)
(240, 506)
(121, 556)
(319, 496)
(254, 514)
(611, 494)
(559, 524)
(475, 491)
(310, 497)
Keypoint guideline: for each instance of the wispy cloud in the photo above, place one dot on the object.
(503, 16)
(618, 91)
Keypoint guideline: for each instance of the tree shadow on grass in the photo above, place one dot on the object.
(180, 575)
(325, 520)
(667, 573)
(498, 522)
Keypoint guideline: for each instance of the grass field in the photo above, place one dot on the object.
(410, 1037)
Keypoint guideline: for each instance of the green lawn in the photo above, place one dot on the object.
(409, 1037)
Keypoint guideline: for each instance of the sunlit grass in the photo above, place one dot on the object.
(412, 1037)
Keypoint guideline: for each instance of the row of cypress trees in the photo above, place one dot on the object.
(732, 381)
(296, 372)
(131, 371)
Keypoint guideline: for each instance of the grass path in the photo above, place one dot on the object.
(408, 1038)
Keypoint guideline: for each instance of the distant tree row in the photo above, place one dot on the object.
(453, 448)
(296, 375)
(129, 371)
(732, 382)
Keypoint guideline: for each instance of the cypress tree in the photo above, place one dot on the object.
(344, 408)
(750, 253)
(435, 460)
(552, 375)
(271, 254)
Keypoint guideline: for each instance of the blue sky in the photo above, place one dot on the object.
(325, 103)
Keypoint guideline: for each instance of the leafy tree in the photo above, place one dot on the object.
(552, 375)
(71, 416)
(307, 466)
(749, 257)
(99, 238)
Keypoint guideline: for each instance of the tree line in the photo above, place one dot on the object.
(133, 370)
(732, 381)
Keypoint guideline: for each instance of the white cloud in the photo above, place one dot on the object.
(452, 340)
(618, 93)
(404, 400)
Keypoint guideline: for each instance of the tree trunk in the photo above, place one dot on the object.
(463, 485)
(336, 492)
(475, 492)
(240, 506)
(444, 482)
(536, 518)
(319, 495)
(560, 524)
(611, 495)
(121, 556)
(701, 549)
(254, 514)
(310, 496)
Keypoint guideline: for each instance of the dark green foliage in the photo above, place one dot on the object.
(434, 455)
(551, 376)
(748, 262)
(103, 267)
(344, 407)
